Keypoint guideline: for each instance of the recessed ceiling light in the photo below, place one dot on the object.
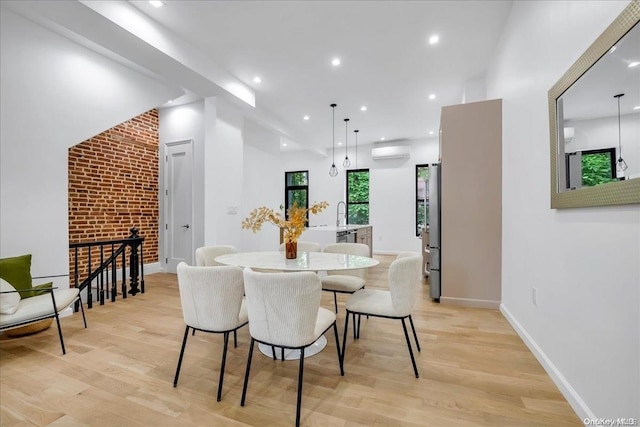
(257, 79)
(430, 132)
(634, 64)
(284, 144)
(363, 108)
(434, 39)
(613, 49)
(335, 62)
(306, 117)
(637, 107)
(339, 143)
(156, 3)
(432, 96)
(382, 139)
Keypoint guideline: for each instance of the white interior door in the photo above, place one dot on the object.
(178, 204)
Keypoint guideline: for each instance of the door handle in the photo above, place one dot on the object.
(185, 226)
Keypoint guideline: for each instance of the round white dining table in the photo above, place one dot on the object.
(306, 261)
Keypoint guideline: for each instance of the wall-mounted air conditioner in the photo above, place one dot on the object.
(391, 152)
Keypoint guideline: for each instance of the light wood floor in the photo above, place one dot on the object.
(474, 371)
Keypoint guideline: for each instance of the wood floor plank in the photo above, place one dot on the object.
(474, 371)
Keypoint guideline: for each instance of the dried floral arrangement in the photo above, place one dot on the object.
(292, 227)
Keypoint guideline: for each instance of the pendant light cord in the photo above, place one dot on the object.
(333, 123)
(619, 127)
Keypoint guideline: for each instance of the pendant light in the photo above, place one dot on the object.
(621, 165)
(333, 171)
(346, 163)
(356, 132)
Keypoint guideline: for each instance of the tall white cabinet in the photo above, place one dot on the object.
(471, 204)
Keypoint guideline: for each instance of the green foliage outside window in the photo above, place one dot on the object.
(422, 197)
(358, 196)
(596, 169)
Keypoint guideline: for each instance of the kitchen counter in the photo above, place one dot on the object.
(325, 234)
(335, 228)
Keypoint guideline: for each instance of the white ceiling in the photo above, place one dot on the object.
(207, 47)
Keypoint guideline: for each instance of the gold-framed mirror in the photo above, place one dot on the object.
(581, 107)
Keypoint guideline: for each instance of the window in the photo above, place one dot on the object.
(296, 189)
(358, 196)
(598, 166)
(422, 197)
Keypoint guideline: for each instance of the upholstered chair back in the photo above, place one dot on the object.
(404, 275)
(206, 255)
(305, 247)
(352, 249)
(283, 307)
(211, 297)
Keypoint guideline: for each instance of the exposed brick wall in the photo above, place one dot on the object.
(113, 186)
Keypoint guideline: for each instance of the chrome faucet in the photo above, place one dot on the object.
(344, 214)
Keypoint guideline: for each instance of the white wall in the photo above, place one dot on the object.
(54, 94)
(583, 262)
(391, 186)
(236, 165)
(184, 123)
(263, 184)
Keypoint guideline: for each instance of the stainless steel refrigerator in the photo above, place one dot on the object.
(434, 221)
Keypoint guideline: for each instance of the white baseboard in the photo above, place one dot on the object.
(154, 267)
(569, 393)
(470, 303)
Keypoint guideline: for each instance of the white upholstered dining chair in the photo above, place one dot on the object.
(212, 301)
(206, 255)
(396, 303)
(345, 281)
(284, 311)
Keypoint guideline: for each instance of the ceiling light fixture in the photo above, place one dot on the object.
(363, 108)
(156, 3)
(306, 117)
(284, 144)
(434, 39)
(257, 79)
(356, 132)
(333, 170)
(335, 62)
(637, 107)
(432, 96)
(621, 165)
(346, 163)
(430, 132)
(382, 139)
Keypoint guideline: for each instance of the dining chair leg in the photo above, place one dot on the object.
(84, 319)
(246, 373)
(335, 331)
(413, 360)
(335, 300)
(355, 327)
(300, 372)
(415, 336)
(235, 338)
(224, 359)
(184, 343)
(359, 319)
(273, 351)
(344, 338)
(282, 354)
